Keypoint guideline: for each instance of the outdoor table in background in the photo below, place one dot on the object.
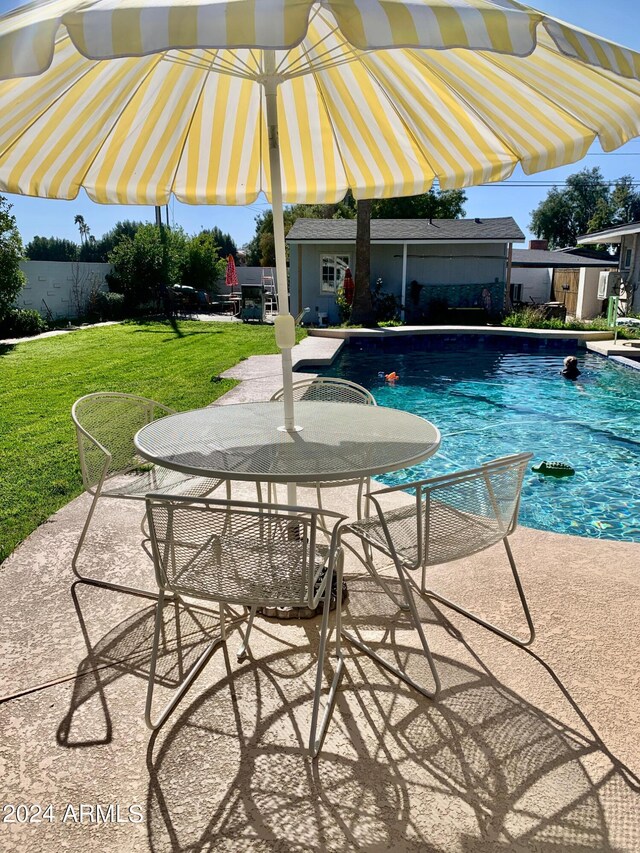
(335, 441)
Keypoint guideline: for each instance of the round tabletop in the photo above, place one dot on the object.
(246, 441)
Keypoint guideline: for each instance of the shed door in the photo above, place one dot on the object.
(565, 288)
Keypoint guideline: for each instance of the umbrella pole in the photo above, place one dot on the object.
(284, 323)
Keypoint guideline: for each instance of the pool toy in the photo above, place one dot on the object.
(392, 377)
(554, 469)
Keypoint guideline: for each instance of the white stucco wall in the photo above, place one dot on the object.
(631, 273)
(589, 306)
(59, 284)
(535, 281)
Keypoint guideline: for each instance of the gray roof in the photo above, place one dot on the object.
(542, 258)
(503, 229)
(610, 235)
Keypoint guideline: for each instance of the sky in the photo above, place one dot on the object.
(618, 20)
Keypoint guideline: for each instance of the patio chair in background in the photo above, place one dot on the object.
(246, 553)
(453, 516)
(331, 390)
(106, 423)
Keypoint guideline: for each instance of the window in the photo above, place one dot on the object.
(627, 259)
(332, 268)
(516, 291)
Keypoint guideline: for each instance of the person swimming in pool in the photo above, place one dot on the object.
(570, 369)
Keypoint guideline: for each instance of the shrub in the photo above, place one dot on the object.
(22, 323)
(11, 278)
(105, 305)
(386, 306)
(344, 309)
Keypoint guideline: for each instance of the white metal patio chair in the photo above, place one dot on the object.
(453, 516)
(106, 423)
(332, 390)
(248, 553)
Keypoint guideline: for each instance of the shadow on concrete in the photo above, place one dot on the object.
(480, 769)
(484, 766)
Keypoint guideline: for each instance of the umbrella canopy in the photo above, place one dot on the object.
(216, 101)
(231, 276)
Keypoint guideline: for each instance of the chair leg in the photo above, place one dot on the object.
(244, 648)
(116, 587)
(475, 618)
(194, 672)
(317, 733)
(417, 624)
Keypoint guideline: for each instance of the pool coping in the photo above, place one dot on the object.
(499, 331)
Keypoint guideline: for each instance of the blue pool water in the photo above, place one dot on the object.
(490, 403)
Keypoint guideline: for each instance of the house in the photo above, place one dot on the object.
(628, 238)
(461, 264)
(538, 276)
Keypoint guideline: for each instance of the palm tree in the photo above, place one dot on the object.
(83, 228)
(362, 307)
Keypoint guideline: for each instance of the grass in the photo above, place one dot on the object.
(176, 363)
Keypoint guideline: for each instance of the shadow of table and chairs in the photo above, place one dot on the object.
(481, 769)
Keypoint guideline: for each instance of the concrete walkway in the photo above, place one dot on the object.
(534, 751)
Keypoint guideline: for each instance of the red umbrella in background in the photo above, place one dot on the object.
(349, 286)
(231, 276)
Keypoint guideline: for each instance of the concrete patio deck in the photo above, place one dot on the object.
(523, 751)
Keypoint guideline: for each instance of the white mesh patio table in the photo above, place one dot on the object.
(334, 441)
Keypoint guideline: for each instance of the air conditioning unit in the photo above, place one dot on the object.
(609, 284)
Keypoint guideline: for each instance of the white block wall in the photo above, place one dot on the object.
(53, 282)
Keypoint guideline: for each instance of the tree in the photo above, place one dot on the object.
(83, 228)
(444, 204)
(12, 278)
(224, 243)
(98, 251)
(52, 249)
(362, 306)
(565, 213)
(145, 264)
(621, 206)
(203, 267)
(261, 249)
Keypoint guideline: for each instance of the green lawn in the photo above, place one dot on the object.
(175, 363)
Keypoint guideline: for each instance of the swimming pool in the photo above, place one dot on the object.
(490, 402)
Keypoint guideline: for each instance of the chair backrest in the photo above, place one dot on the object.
(106, 423)
(471, 510)
(458, 514)
(329, 389)
(234, 551)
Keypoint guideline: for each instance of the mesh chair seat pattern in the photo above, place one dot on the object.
(452, 517)
(249, 553)
(106, 423)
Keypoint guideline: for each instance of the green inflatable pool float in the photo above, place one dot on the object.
(554, 469)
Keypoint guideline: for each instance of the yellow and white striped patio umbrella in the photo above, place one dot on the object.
(216, 101)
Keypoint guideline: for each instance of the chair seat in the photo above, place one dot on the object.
(243, 569)
(402, 529)
(453, 533)
(138, 484)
